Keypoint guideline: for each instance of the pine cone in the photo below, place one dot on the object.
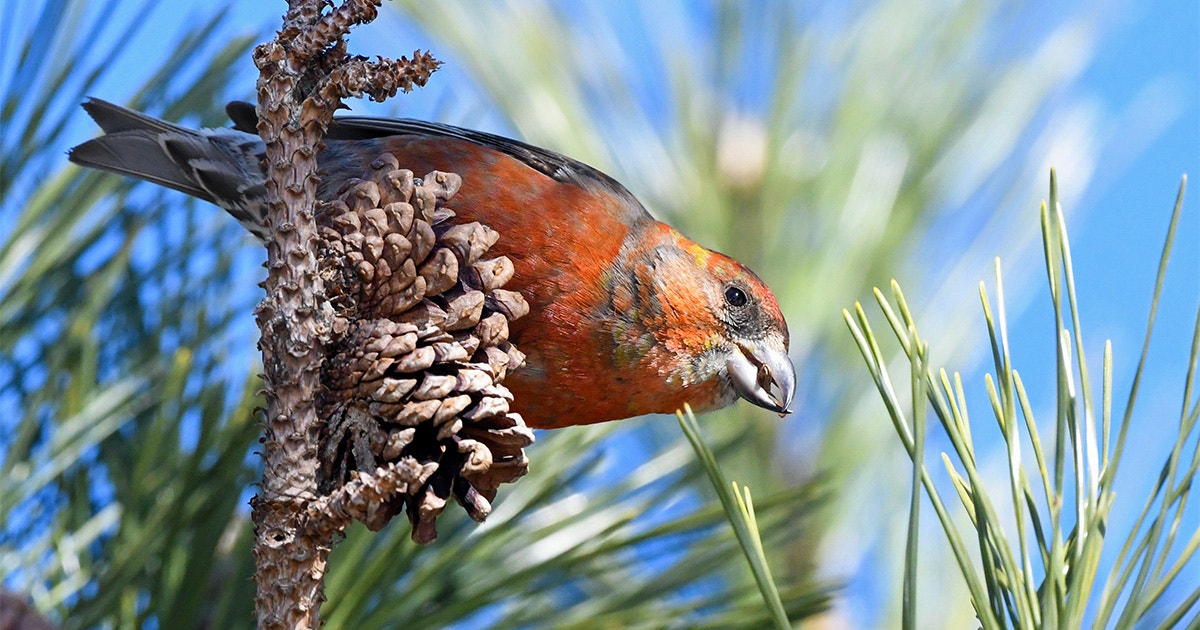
(413, 375)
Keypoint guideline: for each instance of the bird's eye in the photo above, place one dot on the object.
(735, 296)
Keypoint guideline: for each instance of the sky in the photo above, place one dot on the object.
(1143, 90)
(1148, 72)
(1145, 83)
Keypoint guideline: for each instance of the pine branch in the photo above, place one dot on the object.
(303, 74)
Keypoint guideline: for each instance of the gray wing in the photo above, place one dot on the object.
(222, 166)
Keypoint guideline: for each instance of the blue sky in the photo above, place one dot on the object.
(1145, 77)
(1145, 80)
(1115, 247)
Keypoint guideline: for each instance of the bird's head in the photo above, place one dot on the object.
(705, 323)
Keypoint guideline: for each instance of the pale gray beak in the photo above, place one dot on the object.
(763, 374)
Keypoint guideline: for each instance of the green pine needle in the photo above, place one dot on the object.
(1005, 590)
(739, 509)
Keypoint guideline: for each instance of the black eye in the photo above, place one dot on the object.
(735, 296)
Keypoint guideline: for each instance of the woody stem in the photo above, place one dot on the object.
(291, 556)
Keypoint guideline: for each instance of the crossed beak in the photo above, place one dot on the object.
(763, 374)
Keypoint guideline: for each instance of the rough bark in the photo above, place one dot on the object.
(304, 74)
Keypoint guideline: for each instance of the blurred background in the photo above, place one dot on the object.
(831, 146)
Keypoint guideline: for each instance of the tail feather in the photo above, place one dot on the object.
(113, 118)
(221, 166)
(137, 154)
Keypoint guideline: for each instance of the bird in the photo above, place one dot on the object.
(627, 316)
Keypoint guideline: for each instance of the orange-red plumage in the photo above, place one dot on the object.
(627, 316)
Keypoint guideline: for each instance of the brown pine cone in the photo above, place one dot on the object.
(413, 375)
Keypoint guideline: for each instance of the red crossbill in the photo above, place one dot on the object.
(627, 316)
